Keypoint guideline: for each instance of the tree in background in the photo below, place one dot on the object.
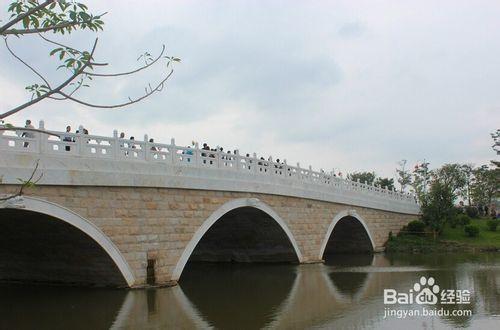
(385, 183)
(467, 170)
(437, 205)
(421, 180)
(371, 179)
(36, 19)
(485, 185)
(496, 141)
(452, 176)
(404, 176)
(363, 177)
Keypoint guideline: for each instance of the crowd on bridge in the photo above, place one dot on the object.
(208, 154)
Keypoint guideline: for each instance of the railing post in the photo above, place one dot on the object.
(255, 163)
(237, 159)
(173, 151)
(197, 155)
(299, 175)
(116, 144)
(285, 168)
(310, 173)
(147, 148)
(80, 141)
(41, 137)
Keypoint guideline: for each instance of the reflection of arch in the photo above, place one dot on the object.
(266, 288)
(339, 294)
(336, 219)
(61, 213)
(215, 216)
(134, 313)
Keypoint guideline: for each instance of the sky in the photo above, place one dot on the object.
(344, 85)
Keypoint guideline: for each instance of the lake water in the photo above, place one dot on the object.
(348, 292)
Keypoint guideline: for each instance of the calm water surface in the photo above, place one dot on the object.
(346, 293)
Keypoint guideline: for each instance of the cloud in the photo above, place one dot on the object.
(351, 30)
(333, 84)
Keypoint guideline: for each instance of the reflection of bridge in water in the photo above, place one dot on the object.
(284, 297)
(251, 296)
(110, 211)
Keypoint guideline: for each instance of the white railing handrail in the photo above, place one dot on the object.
(85, 145)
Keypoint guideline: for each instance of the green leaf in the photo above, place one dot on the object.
(55, 51)
(26, 22)
(84, 16)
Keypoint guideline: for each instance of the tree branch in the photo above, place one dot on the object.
(22, 16)
(43, 29)
(26, 183)
(158, 88)
(26, 64)
(49, 28)
(58, 44)
(70, 48)
(129, 72)
(52, 91)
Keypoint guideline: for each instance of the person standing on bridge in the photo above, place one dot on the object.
(68, 138)
(28, 134)
(153, 148)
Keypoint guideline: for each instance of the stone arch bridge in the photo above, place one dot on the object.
(110, 211)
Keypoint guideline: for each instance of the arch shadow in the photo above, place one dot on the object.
(218, 214)
(336, 220)
(63, 214)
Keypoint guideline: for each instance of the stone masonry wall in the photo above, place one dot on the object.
(158, 223)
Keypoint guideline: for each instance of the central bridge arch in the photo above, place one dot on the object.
(349, 233)
(40, 222)
(225, 210)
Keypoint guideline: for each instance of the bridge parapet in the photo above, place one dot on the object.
(82, 159)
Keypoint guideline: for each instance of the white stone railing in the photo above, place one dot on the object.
(114, 148)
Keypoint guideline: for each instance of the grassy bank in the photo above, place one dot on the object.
(450, 240)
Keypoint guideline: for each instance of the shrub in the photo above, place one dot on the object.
(471, 230)
(453, 221)
(462, 220)
(492, 225)
(459, 209)
(416, 227)
(437, 206)
(472, 211)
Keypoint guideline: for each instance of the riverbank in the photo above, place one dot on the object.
(450, 240)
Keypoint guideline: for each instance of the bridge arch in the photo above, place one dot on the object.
(342, 216)
(218, 214)
(65, 215)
